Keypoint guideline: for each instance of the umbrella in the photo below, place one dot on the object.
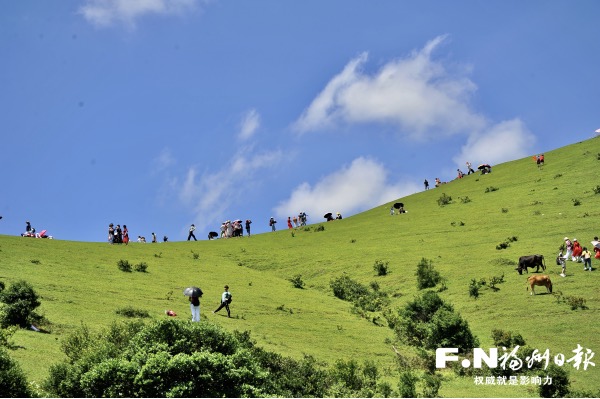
(398, 205)
(43, 233)
(596, 244)
(213, 234)
(483, 166)
(598, 131)
(327, 215)
(192, 291)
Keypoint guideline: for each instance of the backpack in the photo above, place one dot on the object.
(228, 297)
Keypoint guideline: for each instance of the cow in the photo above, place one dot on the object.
(531, 261)
(539, 279)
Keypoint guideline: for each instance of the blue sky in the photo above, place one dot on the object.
(161, 113)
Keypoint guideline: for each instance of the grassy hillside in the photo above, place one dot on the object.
(536, 208)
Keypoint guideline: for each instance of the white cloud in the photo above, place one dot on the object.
(416, 94)
(502, 142)
(107, 12)
(164, 160)
(208, 194)
(355, 188)
(250, 123)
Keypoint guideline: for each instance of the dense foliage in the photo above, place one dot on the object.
(13, 383)
(20, 301)
(429, 322)
(171, 358)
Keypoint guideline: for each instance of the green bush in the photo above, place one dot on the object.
(20, 301)
(361, 296)
(381, 268)
(347, 289)
(124, 266)
(444, 200)
(560, 386)
(506, 339)
(427, 276)
(171, 358)
(474, 287)
(13, 383)
(141, 267)
(407, 385)
(428, 322)
(297, 281)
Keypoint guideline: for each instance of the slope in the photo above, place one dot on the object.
(533, 207)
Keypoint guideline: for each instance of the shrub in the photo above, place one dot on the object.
(474, 286)
(141, 267)
(320, 228)
(195, 255)
(506, 339)
(297, 281)
(597, 190)
(381, 268)
(427, 276)
(407, 385)
(124, 265)
(576, 302)
(491, 189)
(429, 322)
(20, 301)
(444, 200)
(504, 210)
(349, 290)
(6, 335)
(431, 385)
(13, 383)
(465, 200)
(576, 202)
(560, 386)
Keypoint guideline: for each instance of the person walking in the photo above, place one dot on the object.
(569, 247)
(426, 183)
(195, 308)
(225, 301)
(587, 259)
(248, 223)
(191, 233)
(289, 221)
(470, 168)
(272, 222)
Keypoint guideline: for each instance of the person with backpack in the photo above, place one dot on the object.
(272, 222)
(226, 299)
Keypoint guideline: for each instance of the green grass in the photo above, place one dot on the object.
(81, 282)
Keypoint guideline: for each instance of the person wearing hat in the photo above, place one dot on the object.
(225, 301)
(339, 216)
(191, 233)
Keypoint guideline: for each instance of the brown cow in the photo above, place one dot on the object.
(539, 279)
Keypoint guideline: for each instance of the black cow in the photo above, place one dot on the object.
(531, 261)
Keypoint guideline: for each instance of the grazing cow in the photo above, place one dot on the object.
(539, 279)
(531, 261)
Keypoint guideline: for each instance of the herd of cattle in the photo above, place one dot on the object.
(536, 261)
